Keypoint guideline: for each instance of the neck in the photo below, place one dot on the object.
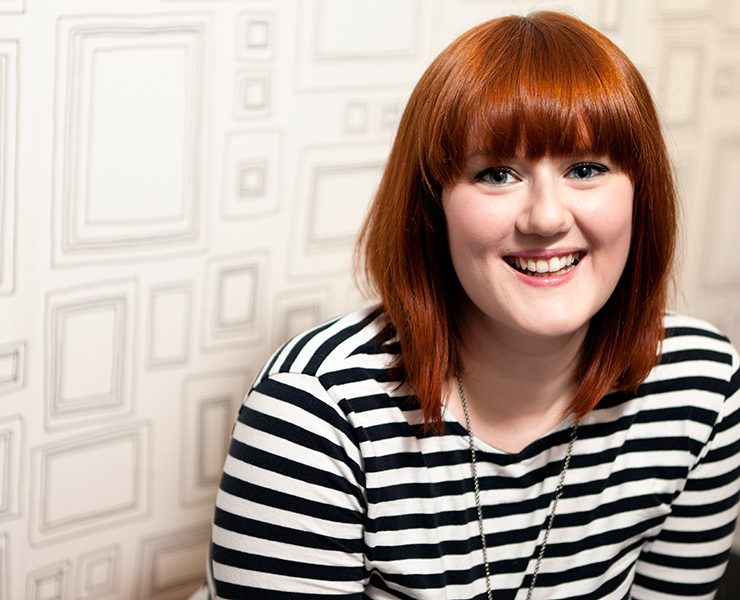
(513, 379)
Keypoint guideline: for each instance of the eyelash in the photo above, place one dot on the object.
(482, 175)
(599, 168)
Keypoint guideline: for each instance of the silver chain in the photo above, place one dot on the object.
(479, 508)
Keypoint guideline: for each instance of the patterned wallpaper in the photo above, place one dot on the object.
(180, 185)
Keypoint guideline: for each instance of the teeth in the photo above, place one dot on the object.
(541, 266)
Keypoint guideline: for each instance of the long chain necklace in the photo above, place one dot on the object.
(479, 509)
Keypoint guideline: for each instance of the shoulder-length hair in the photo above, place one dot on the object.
(544, 84)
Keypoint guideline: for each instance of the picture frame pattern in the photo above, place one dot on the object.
(169, 324)
(169, 563)
(89, 358)
(209, 407)
(102, 107)
(98, 573)
(75, 491)
(9, 90)
(335, 184)
(722, 265)
(12, 367)
(11, 466)
(234, 310)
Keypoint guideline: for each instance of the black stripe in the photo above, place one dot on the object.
(286, 535)
(292, 469)
(671, 332)
(289, 568)
(331, 343)
(287, 363)
(353, 375)
(734, 384)
(305, 400)
(676, 589)
(302, 437)
(685, 562)
(233, 591)
(678, 356)
(698, 537)
(288, 502)
(682, 384)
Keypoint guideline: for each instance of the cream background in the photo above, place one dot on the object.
(180, 184)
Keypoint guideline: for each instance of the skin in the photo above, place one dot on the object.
(521, 333)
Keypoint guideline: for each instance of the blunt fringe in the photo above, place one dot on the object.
(544, 84)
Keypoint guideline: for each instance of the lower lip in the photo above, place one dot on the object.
(550, 280)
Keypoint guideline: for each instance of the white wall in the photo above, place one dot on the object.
(180, 183)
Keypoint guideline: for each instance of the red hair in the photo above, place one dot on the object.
(545, 84)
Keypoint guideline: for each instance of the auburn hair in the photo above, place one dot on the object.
(544, 84)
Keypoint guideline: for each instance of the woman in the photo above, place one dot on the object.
(518, 418)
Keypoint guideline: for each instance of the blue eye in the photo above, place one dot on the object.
(586, 170)
(496, 176)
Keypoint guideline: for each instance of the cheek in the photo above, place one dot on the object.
(472, 228)
(610, 223)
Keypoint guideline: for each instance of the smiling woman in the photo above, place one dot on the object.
(519, 417)
(538, 247)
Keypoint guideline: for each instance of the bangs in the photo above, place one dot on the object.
(533, 89)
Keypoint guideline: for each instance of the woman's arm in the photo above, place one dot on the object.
(689, 556)
(290, 508)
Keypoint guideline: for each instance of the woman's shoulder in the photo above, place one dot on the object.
(350, 343)
(695, 354)
(689, 337)
(337, 371)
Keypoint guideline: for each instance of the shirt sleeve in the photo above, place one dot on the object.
(689, 555)
(289, 513)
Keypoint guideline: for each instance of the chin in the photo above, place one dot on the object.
(553, 329)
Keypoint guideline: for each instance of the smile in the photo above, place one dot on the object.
(541, 267)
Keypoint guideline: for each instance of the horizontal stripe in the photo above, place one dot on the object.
(331, 480)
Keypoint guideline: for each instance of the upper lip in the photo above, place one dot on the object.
(545, 253)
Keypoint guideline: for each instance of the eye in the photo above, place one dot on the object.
(587, 170)
(496, 176)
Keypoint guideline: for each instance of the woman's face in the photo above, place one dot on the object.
(538, 245)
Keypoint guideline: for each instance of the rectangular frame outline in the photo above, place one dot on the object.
(228, 383)
(11, 428)
(9, 119)
(201, 481)
(719, 151)
(18, 352)
(82, 591)
(59, 570)
(41, 533)
(243, 52)
(153, 547)
(143, 246)
(89, 295)
(212, 335)
(233, 209)
(411, 51)
(158, 363)
(304, 259)
(16, 7)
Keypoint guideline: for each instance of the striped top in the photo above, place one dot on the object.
(331, 489)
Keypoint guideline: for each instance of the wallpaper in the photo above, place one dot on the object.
(181, 182)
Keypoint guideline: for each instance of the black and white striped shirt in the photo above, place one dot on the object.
(331, 489)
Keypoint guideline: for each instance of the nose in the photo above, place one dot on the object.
(546, 212)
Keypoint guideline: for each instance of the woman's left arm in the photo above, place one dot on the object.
(689, 555)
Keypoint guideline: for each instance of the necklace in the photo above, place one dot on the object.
(479, 509)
